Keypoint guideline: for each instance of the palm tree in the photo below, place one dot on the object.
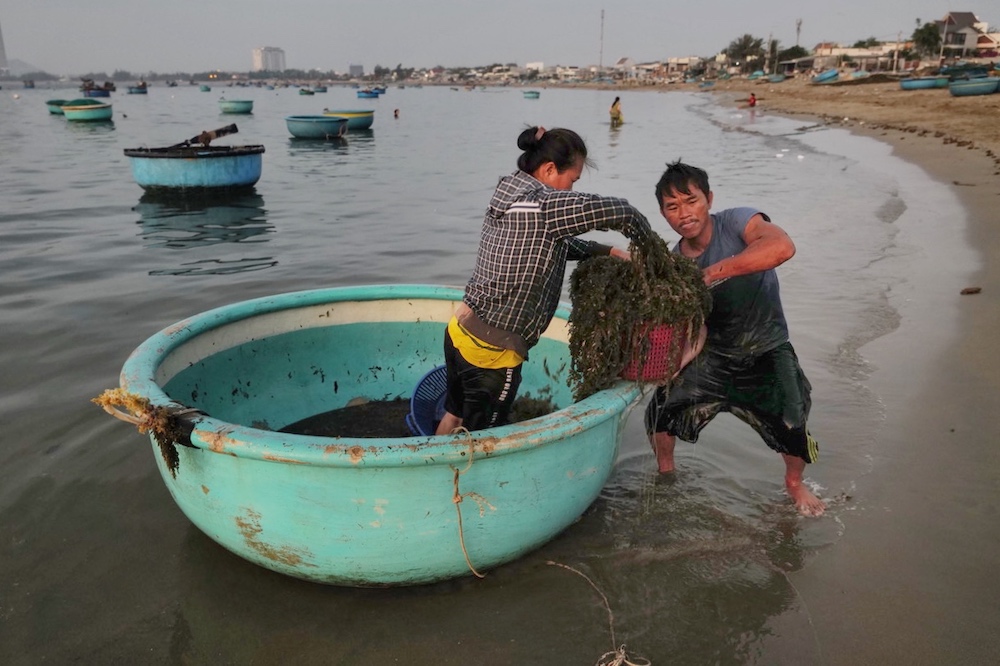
(745, 51)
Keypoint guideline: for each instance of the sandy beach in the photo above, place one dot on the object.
(940, 431)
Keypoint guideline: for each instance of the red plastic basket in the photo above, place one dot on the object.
(656, 359)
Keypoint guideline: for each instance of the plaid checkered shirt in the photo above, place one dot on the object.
(528, 235)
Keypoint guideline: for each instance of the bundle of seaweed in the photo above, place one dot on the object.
(615, 300)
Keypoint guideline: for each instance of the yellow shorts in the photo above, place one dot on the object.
(479, 353)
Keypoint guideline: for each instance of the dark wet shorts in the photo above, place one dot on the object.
(482, 397)
(769, 392)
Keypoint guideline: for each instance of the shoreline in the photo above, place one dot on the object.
(939, 431)
(940, 427)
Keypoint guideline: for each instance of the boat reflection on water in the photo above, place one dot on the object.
(203, 224)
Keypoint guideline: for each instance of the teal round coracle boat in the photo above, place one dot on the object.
(55, 106)
(923, 82)
(87, 110)
(363, 511)
(357, 119)
(969, 87)
(236, 106)
(316, 127)
(197, 167)
(828, 76)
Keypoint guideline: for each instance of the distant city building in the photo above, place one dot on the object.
(268, 59)
(537, 66)
(356, 71)
(3, 55)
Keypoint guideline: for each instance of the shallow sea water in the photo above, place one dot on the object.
(99, 565)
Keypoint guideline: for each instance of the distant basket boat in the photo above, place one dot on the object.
(86, 111)
(981, 86)
(306, 91)
(204, 88)
(367, 94)
(923, 82)
(776, 78)
(357, 119)
(316, 127)
(532, 94)
(55, 106)
(319, 89)
(140, 89)
(828, 76)
(197, 167)
(236, 106)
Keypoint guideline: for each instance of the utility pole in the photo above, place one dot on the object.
(944, 37)
(798, 29)
(767, 55)
(600, 58)
(895, 52)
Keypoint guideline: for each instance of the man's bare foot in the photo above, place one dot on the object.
(808, 504)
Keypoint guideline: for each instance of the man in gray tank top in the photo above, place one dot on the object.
(747, 365)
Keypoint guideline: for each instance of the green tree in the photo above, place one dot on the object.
(746, 51)
(792, 53)
(927, 39)
(866, 43)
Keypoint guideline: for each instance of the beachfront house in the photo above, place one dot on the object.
(961, 33)
(624, 68)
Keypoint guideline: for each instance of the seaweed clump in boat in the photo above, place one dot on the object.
(616, 302)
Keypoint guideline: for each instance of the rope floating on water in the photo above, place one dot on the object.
(617, 656)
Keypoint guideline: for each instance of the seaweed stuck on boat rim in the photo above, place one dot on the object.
(166, 425)
(616, 303)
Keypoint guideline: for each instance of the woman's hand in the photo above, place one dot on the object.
(621, 254)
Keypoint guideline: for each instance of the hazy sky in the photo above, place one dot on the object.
(81, 36)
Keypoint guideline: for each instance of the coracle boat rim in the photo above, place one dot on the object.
(195, 151)
(138, 376)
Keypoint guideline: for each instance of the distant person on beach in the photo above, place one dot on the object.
(747, 366)
(529, 232)
(752, 101)
(616, 113)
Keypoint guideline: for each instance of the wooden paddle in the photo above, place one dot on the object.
(206, 137)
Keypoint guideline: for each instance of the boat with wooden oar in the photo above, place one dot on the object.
(223, 394)
(195, 165)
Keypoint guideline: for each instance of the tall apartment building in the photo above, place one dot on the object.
(268, 59)
(355, 71)
(3, 56)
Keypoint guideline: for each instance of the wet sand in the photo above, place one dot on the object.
(869, 597)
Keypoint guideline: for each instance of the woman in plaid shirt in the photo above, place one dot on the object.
(529, 232)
